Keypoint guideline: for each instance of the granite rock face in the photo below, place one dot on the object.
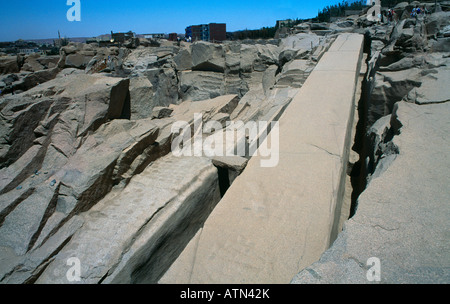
(401, 217)
(397, 233)
(77, 140)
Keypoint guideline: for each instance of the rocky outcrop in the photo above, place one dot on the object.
(9, 64)
(149, 231)
(141, 98)
(406, 63)
(401, 217)
(208, 57)
(86, 169)
(82, 154)
(390, 238)
(81, 147)
(45, 145)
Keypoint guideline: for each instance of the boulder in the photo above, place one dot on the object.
(183, 60)
(441, 45)
(233, 61)
(49, 62)
(10, 79)
(287, 55)
(36, 78)
(248, 56)
(294, 73)
(436, 22)
(208, 57)
(161, 112)
(300, 41)
(9, 64)
(200, 85)
(71, 48)
(139, 60)
(208, 108)
(78, 60)
(165, 85)
(90, 101)
(389, 88)
(141, 97)
(445, 32)
(32, 64)
(345, 24)
(268, 53)
(319, 26)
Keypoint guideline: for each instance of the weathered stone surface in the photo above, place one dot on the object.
(235, 163)
(403, 225)
(77, 61)
(110, 93)
(441, 45)
(161, 112)
(46, 127)
(161, 201)
(287, 55)
(141, 98)
(9, 64)
(103, 158)
(389, 88)
(300, 41)
(71, 136)
(208, 108)
(166, 92)
(138, 61)
(31, 64)
(33, 79)
(208, 57)
(20, 117)
(49, 62)
(294, 73)
(248, 56)
(183, 60)
(232, 248)
(435, 22)
(434, 88)
(199, 85)
(21, 169)
(22, 225)
(33, 264)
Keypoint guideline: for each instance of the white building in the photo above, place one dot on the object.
(30, 51)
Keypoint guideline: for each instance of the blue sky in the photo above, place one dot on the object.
(38, 19)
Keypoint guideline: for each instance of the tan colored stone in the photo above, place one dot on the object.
(273, 222)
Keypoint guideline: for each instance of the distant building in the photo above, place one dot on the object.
(30, 51)
(217, 32)
(154, 36)
(173, 37)
(213, 32)
(122, 37)
(284, 23)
